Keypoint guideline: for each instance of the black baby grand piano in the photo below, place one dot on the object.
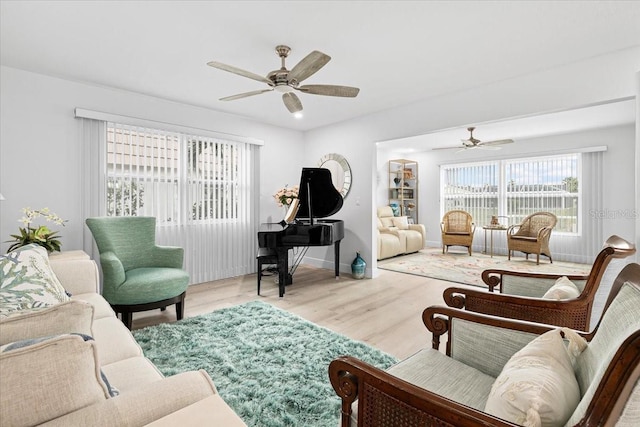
(318, 199)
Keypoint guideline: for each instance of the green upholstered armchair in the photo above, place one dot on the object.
(138, 275)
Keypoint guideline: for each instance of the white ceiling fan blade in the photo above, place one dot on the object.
(308, 66)
(444, 148)
(239, 71)
(498, 142)
(244, 95)
(330, 90)
(292, 102)
(487, 147)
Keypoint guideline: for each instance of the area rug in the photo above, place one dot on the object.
(269, 365)
(459, 267)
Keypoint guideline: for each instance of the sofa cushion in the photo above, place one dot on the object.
(129, 374)
(562, 289)
(67, 317)
(28, 280)
(538, 386)
(119, 344)
(48, 379)
(401, 222)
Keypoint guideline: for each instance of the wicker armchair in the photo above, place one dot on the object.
(457, 230)
(452, 389)
(532, 236)
(521, 293)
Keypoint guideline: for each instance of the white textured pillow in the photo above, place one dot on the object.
(28, 280)
(401, 222)
(387, 221)
(562, 289)
(537, 386)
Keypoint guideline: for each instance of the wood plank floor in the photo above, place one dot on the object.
(384, 312)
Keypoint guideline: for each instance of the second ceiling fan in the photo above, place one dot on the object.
(288, 81)
(473, 143)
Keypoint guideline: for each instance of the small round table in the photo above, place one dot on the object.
(491, 229)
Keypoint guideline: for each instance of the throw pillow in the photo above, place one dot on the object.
(562, 289)
(401, 222)
(66, 317)
(537, 386)
(55, 375)
(28, 280)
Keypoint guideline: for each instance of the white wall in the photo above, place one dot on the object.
(40, 145)
(579, 84)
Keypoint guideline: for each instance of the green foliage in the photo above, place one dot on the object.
(124, 197)
(40, 235)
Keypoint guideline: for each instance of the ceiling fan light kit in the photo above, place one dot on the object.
(287, 82)
(472, 143)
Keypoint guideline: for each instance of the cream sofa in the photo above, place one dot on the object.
(60, 381)
(396, 236)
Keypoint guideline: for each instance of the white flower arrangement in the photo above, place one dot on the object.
(40, 235)
(285, 195)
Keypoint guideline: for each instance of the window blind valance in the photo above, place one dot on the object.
(135, 121)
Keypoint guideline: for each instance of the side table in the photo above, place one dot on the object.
(491, 229)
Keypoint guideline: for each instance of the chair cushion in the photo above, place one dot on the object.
(143, 285)
(28, 280)
(562, 289)
(524, 238)
(443, 375)
(537, 386)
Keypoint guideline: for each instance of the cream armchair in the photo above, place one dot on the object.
(396, 236)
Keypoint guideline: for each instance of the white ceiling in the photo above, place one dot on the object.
(395, 52)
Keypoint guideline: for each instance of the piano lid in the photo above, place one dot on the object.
(316, 187)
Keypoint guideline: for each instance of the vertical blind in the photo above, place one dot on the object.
(197, 187)
(512, 189)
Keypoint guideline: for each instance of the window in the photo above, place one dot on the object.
(512, 189)
(177, 178)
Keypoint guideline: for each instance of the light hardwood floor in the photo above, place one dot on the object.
(384, 312)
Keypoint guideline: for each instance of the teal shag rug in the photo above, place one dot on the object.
(270, 366)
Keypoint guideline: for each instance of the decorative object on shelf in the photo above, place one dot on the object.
(358, 267)
(285, 195)
(397, 180)
(340, 172)
(395, 208)
(40, 235)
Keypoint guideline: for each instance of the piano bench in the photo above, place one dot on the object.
(266, 256)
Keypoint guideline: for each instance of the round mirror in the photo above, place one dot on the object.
(340, 172)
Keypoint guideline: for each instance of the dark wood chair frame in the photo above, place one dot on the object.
(387, 401)
(573, 313)
(126, 310)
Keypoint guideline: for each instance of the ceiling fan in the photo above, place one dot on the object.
(288, 81)
(472, 143)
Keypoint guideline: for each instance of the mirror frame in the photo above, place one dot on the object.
(346, 171)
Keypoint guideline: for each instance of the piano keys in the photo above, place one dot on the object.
(318, 199)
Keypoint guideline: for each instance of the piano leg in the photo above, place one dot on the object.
(284, 278)
(336, 259)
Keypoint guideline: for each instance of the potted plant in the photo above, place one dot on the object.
(40, 235)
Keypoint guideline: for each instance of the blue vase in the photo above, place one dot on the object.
(358, 266)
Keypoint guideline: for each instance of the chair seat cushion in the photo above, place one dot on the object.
(443, 375)
(144, 285)
(457, 233)
(524, 238)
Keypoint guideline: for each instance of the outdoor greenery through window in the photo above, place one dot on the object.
(175, 177)
(515, 188)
